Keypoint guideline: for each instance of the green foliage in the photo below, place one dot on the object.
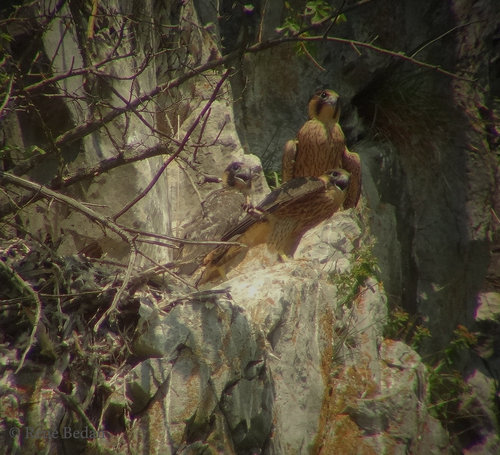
(273, 179)
(462, 341)
(446, 384)
(290, 27)
(5, 78)
(5, 38)
(21, 152)
(314, 15)
(348, 283)
(445, 390)
(317, 10)
(400, 326)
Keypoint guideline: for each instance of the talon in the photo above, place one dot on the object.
(253, 211)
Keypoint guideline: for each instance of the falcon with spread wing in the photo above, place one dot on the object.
(280, 220)
(320, 146)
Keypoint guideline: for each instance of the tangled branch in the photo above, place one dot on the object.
(93, 216)
(179, 149)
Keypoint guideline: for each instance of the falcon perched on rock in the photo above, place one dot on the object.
(222, 209)
(280, 220)
(320, 146)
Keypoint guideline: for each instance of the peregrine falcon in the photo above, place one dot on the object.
(222, 210)
(320, 146)
(280, 220)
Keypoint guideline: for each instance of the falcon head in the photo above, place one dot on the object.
(324, 105)
(238, 176)
(340, 178)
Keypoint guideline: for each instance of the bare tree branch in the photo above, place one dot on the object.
(91, 126)
(179, 240)
(7, 95)
(25, 287)
(179, 149)
(399, 55)
(83, 174)
(121, 289)
(132, 105)
(161, 268)
(93, 216)
(87, 173)
(73, 203)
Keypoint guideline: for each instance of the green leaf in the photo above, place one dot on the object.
(290, 27)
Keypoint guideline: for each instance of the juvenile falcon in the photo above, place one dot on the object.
(222, 209)
(280, 220)
(320, 146)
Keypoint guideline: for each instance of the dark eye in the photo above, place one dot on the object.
(236, 167)
(324, 95)
(334, 177)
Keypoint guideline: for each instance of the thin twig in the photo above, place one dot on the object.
(495, 216)
(156, 242)
(313, 60)
(60, 43)
(139, 115)
(428, 43)
(159, 267)
(132, 77)
(91, 126)
(400, 55)
(177, 239)
(70, 401)
(7, 95)
(338, 12)
(93, 14)
(179, 149)
(83, 174)
(121, 289)
(92, 215)
(193, 185)
(24, 286)
(200, 136)
(50, 194)
(72, 73)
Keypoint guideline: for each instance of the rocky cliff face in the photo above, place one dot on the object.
(305, 356)
(429, 146)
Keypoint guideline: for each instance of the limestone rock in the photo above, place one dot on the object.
(283, 355)
(210, 382)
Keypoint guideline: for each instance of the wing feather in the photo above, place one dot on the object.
(289, 192)
(288, 160)
(352, 164)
